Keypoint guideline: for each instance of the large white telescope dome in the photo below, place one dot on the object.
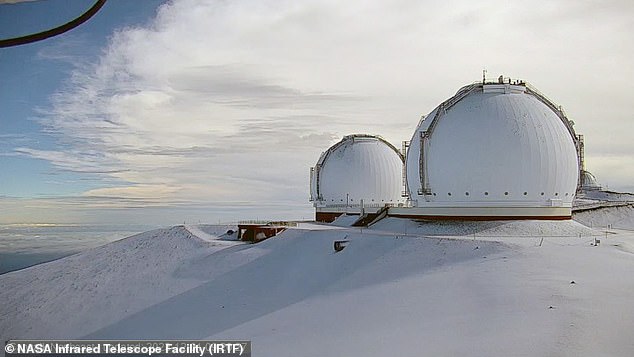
(361, 173)
(493, 151)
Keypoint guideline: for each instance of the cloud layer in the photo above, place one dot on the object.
(220, 101)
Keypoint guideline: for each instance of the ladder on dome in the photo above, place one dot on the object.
(405, 192)
(447, 104)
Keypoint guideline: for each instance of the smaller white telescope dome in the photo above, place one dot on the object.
(588, 181)
(361, 173)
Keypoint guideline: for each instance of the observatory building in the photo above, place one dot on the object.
(360, 174)
(495, 150)
(589, 182)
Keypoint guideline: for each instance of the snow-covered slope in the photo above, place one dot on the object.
(298, 265)
(518, 301)
(617, 217)
(209, 232)
(602, 195)
(345, 220)
(394, 290)
(80, 293)
(483, 229)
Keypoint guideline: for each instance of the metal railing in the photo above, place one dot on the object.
(558, 109)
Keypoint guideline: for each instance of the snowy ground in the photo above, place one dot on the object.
(616, 217)
(399, 288)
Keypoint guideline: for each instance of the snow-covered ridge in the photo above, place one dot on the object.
(603, 195)
(213, 233)
(486, 229)
(616, 217)
(430, 289)
(105, 283)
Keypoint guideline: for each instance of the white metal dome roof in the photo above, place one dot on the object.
(588, 181)
(359, 167)
(491, 148)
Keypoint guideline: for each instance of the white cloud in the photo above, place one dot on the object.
(233, 101)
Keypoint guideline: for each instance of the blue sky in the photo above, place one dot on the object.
(200, 110)
(31, 73)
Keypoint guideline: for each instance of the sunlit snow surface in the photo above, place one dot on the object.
(399, 288)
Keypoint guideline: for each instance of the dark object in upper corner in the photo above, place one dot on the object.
(23, 40)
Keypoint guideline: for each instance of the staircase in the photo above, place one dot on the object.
(369, 219)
